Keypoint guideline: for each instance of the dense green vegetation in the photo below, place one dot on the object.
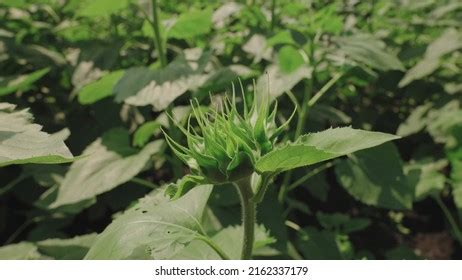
(139, 129)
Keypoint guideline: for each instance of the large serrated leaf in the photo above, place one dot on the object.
(106, 163)
(22, 141)
(156, 228)
(316, 147)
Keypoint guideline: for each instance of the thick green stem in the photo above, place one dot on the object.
(157, 36)
(244, 189)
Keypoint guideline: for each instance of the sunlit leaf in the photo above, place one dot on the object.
(96, 8)
(22, 141)
(425, 178)
(317, 147)
(192, 24)
(99, 89)
(20, 251)
(289, 59)
(155, 228)
(145, 132)
(107, 163)
(20, 82)
(142, 86)
(448, 42)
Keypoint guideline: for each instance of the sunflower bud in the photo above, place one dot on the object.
(226, 144)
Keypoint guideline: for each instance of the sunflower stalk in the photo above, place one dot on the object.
(223, 147)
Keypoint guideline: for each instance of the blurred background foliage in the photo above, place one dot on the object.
(107, 71)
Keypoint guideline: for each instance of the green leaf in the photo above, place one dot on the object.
(422, 69)
(319, 245)
(281, 38)
(12, 84)
(20, 251)
(192, 24)
(99, 89)
(369, 51)
(270, 213)
(229, 240)
(107, 163)
(67, 249)
(15, 3)
(289, 59)
(45, 175)
(99, 8)
(155, 228)
(455, 157)
(342, 223)
(59, 249)
(442, 121)
(449, 41)
(401, 252)
(145, 132)
(184, 185)
(329, 114)
(280, 82)
(257, 48)
(225, 13)
(425, 177)
(141, 86)
(327, 19)
(318, 186)
(375, 177)
(415, 122)
(317, 147)
(23, 142)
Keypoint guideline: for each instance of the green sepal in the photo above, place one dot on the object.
(240, 167)
(183, 185)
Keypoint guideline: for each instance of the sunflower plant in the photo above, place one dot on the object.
(239, 145)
